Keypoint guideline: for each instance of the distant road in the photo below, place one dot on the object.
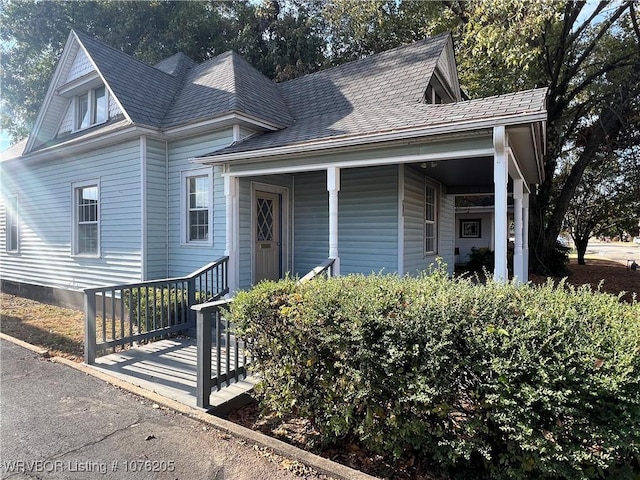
(617, 252)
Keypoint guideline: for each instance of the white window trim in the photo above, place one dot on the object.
(184, 206)
(91, 99)
(436, 194)
(12, 215)
(74, 217)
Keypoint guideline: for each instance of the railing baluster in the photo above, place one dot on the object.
(122, 316)
(113, 317)
(203, 376)
(90, 327)
(218, 356)
(104, 320)
(227, 346)
(236, 357)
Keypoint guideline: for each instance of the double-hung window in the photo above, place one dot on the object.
(86, 219)
(12, 229)
(197, 201)
(92, 108)
(430, 219)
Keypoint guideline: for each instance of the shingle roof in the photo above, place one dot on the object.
(387, 117)
(227, 83)
(398, 75)
(144, 92)
(176, 65)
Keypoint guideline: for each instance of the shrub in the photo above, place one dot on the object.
(496, 380)
(481, 258)
(170, 306)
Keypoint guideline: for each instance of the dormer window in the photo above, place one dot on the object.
(92, 108)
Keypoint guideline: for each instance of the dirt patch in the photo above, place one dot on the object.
(604, 275)
(59, 330)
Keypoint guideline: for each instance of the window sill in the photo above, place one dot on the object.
(196, 244)
(85, 255)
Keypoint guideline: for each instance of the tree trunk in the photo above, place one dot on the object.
(581, 247)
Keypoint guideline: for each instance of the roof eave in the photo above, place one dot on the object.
(81, 144)
(378, 137)
(230, 117)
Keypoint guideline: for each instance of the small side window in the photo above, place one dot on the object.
(197, 207)
(430, 219)
(13, 226)
(86, 219)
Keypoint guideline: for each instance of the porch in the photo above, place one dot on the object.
(170, 336)
(169, 367)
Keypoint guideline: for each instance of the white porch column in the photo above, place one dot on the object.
(518, 260)
(500, 177)
(525, 236)
(333, 186)
(231, 220)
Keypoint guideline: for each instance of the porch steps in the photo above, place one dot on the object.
(168, 368)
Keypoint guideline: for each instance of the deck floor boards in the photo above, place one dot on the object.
(168, 368)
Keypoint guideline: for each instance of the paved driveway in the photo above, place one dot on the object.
(59, 423)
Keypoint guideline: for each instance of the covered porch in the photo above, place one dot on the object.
(386, 226)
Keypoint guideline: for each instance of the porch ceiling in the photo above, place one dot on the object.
(463, 172)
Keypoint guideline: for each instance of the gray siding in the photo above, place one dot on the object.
(367, 220)
(185, 258)
(415, 260)
(157, 210)
(311, 221)
(45, 209)
(446, 232)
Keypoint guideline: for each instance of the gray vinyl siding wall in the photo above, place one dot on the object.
(45, 212)
(185, 258)
(311, 221)
(367, 220)
(447, 229)
(157, 207)
(246, 220)
(415, 260)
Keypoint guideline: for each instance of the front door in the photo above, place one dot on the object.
(267, 246)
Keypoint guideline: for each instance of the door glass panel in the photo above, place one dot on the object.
(264, 219)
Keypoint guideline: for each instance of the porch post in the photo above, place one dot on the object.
(500, 177)
(525, 236)
(333, 186)
(230, 193)
(518, 263)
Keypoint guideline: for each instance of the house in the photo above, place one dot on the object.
(135, 172)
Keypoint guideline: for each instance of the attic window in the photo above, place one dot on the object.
(92, 108)
(431, 96)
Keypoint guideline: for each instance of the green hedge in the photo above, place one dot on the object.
(495, 380)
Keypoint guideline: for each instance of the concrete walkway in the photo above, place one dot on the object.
(60, 423)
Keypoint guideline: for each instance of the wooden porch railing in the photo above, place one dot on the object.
(119, 315)
(324, 267)
(214, 332)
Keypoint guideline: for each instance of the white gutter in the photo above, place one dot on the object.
(354, 141)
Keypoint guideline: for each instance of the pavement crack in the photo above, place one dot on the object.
(95, 442)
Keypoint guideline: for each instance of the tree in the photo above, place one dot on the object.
(281, 41)
(606, 199)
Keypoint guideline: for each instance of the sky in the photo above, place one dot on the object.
(5, 142)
